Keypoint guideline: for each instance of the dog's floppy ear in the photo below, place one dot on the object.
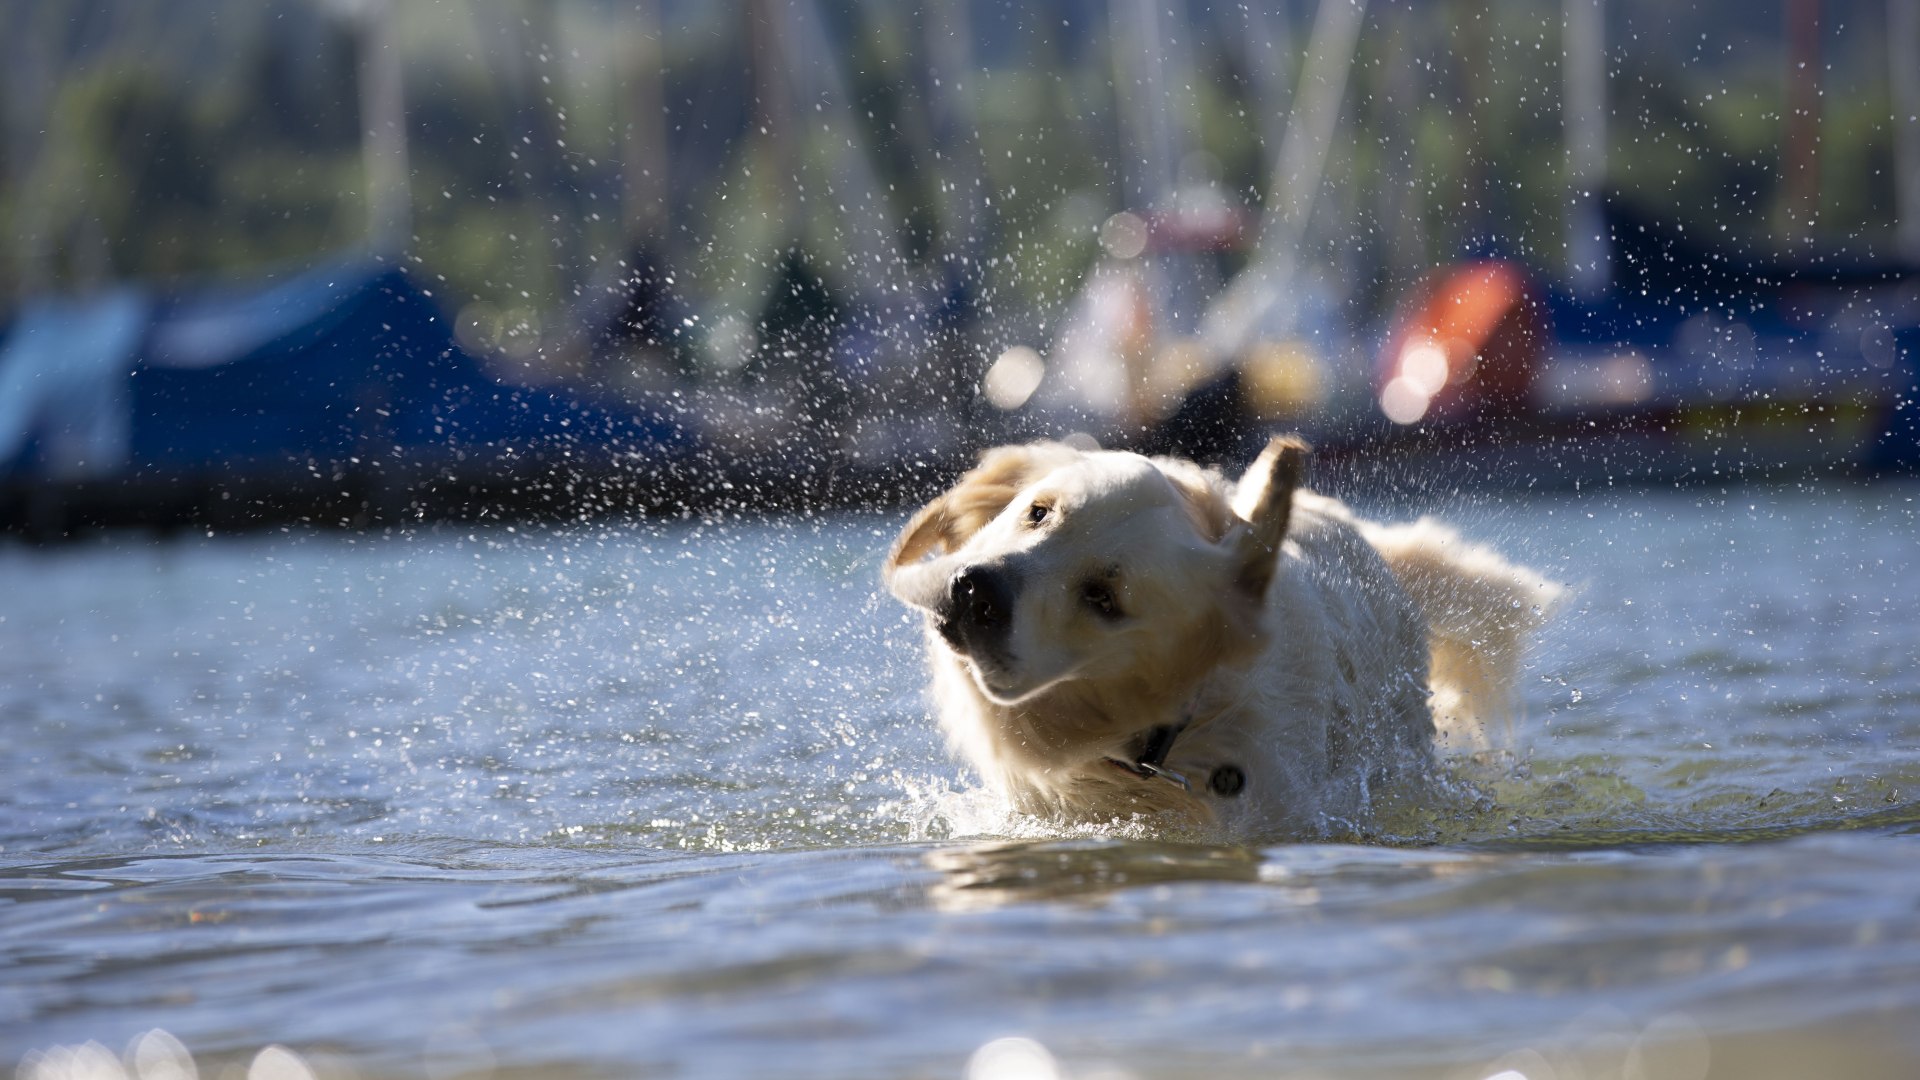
(948, 522)
(1264, 501)
(1205, 495)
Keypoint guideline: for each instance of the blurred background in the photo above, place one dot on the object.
(362, 261)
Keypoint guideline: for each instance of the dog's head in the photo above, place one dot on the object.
(1047, 564)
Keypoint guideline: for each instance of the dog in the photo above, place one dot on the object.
(1116, 637)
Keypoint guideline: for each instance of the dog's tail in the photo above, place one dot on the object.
(1480, 611)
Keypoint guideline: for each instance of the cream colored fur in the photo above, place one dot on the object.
(1307, 648)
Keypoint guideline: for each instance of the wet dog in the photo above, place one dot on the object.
(1115, 636)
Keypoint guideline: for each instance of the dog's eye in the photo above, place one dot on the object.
(1037, 513)
(1098, 595)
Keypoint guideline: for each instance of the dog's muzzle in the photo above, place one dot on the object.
(976, 615)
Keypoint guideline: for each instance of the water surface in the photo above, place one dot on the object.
(664, 799)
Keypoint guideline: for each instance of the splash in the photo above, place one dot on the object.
(933, 809)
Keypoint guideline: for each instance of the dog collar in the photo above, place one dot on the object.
(1150, 762)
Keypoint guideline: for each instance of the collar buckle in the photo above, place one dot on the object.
(1149, 769)
(1150, 763)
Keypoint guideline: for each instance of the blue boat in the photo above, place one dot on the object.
(337, 393)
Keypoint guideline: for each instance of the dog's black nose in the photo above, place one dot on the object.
(979, 607)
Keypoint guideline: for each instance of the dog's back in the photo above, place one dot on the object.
(1337, 708)
(1342, 705)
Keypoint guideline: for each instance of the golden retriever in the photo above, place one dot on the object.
(1115, 636)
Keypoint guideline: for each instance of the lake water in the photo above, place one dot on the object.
(665, 799)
